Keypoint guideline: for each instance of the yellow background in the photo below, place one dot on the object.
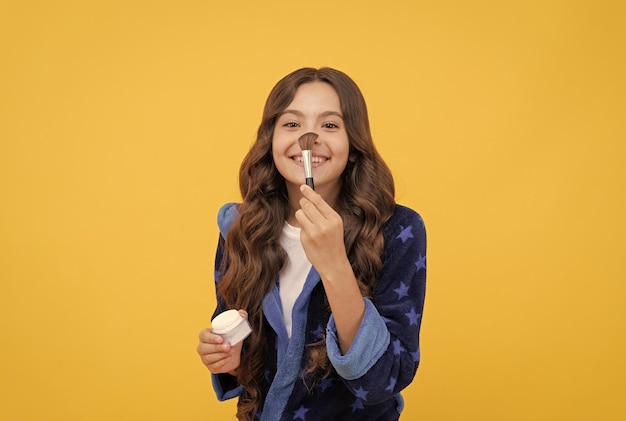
(123, 124)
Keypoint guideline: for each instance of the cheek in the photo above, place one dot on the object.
(278, 154)
(278, 144)
(345, 150)
(275, 147)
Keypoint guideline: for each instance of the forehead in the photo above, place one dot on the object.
(316, 95)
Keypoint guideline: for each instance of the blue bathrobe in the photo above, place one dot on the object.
(365, 383)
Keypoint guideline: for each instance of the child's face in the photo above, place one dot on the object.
(315, 108)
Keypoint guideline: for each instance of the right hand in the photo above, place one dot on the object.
(217, 354)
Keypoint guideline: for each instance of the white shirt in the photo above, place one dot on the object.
(291, 278)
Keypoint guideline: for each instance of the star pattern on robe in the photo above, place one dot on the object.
(319, 332)
(300, 414)
(402, 291)
(358, 404)
(405, 233)
(361, 393)
(416, 355)
(397, 347)
(413, 316)
(392, 384)
(421, 262)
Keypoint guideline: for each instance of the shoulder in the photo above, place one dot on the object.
(404, 233)
(226, 216)
(404, 219)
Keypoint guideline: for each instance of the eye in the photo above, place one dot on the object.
(330, 126)
(291, 124)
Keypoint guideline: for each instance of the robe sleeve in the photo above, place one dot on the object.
(385, 353)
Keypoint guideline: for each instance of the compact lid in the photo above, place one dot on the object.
(226, 321)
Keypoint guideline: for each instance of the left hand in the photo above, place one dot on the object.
(321, 232)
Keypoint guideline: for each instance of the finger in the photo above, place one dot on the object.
(216, 364)
(310, 214)
(207, 336)
(303, 218)
(313, 219)
(204, 348)
(316, 199)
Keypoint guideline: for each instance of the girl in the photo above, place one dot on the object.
(332, 281)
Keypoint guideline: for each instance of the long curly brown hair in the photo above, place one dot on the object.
(253, 255)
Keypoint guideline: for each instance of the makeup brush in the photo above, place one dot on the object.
(306, 142)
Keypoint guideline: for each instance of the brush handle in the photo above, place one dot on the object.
(308, 169)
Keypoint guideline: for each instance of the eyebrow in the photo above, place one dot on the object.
(301, 114)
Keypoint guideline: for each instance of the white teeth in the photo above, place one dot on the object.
(316, 159)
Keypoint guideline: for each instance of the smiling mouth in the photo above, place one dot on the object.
(314, 159)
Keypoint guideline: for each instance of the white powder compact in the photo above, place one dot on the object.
(232, 326)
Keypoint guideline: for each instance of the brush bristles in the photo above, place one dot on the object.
(307, 141)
